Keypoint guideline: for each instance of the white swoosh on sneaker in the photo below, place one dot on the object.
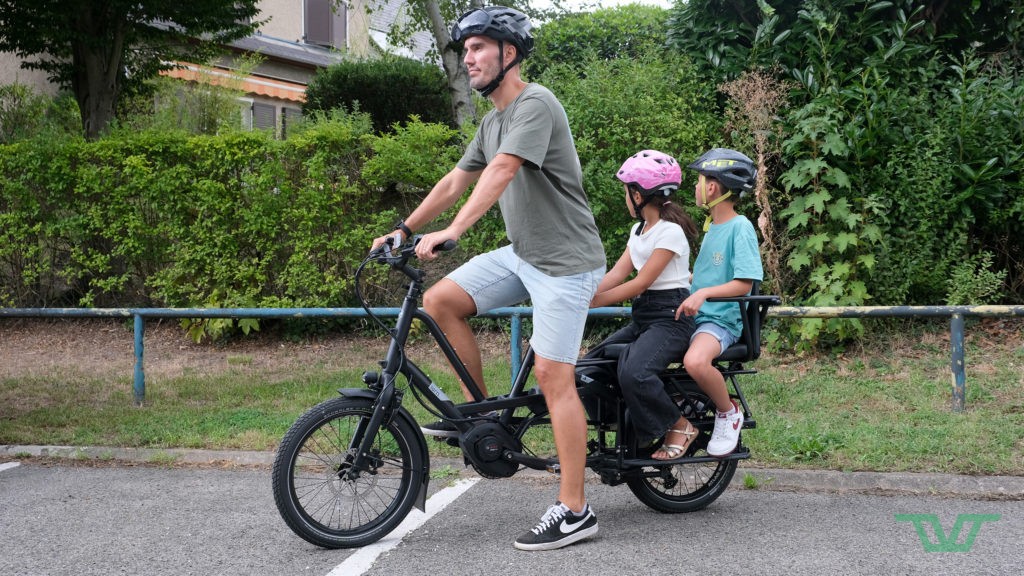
(566, 528)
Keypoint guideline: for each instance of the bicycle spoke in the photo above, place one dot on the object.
(328, 494)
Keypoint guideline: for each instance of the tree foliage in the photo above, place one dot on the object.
(901, 154)
(631, 31)
(104, 49)
(733, 36)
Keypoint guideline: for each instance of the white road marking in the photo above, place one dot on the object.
(362, 560)
(9, 465)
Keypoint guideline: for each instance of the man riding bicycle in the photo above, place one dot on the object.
(523, 157)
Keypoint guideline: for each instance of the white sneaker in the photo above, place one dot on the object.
(727, 432)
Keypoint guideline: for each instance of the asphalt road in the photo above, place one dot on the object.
(62, 517)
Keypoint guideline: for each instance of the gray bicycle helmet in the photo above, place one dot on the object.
(734, 170)
(499, 23)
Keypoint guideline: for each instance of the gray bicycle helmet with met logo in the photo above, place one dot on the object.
(498, 22)
(733, 169)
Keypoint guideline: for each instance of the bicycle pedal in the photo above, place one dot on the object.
(555, 469)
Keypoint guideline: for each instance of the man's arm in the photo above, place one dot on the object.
(442, 196)
(489, 188)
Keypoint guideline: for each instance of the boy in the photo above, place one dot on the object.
(727, 265)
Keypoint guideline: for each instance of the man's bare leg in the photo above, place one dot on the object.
(450, 306)
(569, 423)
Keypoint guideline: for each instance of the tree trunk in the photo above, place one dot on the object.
(463, 109)
(97, 75)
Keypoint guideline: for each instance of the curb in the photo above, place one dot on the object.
(885, 483)
(751, 478)
(165, 456)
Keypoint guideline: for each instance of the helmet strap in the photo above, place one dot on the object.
(709, 205)
(638, 210)
(493, 84)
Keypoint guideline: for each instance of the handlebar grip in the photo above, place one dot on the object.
(446, 246)
(407, 250)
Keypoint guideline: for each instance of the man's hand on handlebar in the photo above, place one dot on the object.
(439, 242)
(430, 244)
(394, 238)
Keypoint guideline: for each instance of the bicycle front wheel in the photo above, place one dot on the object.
(319, 494)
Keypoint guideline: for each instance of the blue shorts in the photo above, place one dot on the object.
(560, 303)
(724, 337)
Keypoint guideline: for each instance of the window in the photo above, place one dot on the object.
(289, 117)
(325, 26)
(264, 116)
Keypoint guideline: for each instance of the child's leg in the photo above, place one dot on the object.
(704, 348)
(653, 411)
(624, 335)
(708, 342)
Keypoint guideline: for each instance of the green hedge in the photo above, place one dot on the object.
(176, 220)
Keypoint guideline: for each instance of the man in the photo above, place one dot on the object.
(522, 157)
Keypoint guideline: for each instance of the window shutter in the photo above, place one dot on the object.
(318, 22)
(324, 26)
(263, 116)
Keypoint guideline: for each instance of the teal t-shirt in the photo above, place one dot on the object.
(728, 252)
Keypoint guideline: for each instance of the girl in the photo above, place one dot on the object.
(659, 252)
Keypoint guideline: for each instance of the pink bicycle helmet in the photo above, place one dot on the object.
(654, 173)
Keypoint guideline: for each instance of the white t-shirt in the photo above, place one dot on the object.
(667, 235)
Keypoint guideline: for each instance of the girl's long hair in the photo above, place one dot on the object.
(667, 210)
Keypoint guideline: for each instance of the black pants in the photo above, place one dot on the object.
(656, 339)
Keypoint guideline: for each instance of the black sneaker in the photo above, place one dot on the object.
(559, 527)
(440, 429)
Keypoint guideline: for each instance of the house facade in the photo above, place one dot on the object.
(297, 38)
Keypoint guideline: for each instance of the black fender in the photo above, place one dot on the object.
(401, 413)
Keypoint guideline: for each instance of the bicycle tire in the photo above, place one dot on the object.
(331, 511)
(686, 487)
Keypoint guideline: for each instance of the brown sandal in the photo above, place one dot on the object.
(673, 451)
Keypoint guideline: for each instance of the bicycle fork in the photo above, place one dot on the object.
(362, 438)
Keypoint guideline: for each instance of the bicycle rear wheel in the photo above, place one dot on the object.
(685, 487)
(315, 490)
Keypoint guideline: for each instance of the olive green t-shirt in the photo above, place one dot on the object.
(547, 215)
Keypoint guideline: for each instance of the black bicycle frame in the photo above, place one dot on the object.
(389, 398)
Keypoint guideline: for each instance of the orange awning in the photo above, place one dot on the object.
(257, 85)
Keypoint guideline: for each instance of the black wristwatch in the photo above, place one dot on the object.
(400, 225)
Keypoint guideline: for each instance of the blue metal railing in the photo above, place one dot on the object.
(956, 314)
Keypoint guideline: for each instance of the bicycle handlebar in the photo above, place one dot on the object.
(385, 254)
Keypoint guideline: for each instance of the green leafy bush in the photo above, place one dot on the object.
(176, 220)
(895, 122)
(389, 89)
(973, 281)
(24, 114)
(626, 32)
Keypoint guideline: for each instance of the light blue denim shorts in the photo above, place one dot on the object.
(724, 337)
(560, 303)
